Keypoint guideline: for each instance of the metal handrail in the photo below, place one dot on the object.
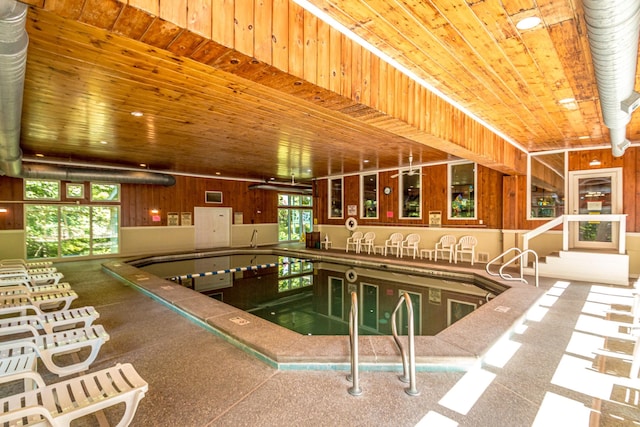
(520, 256)
(409, 368)
(355, 389)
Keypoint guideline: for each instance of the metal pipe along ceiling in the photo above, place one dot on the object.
(613, 27)
(13, 64)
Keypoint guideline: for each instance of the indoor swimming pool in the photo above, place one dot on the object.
(313, 297)
(471, 309)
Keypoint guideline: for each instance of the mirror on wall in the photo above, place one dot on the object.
(546, 185)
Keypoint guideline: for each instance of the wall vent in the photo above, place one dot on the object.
(483, 257)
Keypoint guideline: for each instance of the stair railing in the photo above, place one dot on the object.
(521, 256)
(354, 376)
(408, 366)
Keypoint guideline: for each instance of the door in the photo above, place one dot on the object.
(212, 227)
(595, 192)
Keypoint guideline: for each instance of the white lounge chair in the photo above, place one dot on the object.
(354, 241)
(368, 241)
(410, 244)
(25, 263)
(446, 244)
(13, 281)
(61, 403)
(466, 245)
(393, 243)
(50, 322)
(49, 346)
(54, 300)
(34, 279)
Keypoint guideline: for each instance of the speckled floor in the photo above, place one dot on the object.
(545, 374)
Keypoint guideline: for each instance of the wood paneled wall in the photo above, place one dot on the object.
(434, 198)
(257, 206)
(137, 200)
(515, 187)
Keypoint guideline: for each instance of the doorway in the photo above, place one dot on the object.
(595, 192)
(212, 227)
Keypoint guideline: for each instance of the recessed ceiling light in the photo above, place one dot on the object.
(584, 137)
(137, 113)
(104, 142)
(365, 161)
(39, 155)
(217, 173)
(143, 165)
(528, 23)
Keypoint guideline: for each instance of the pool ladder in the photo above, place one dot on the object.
(408, 363)
(254, 239)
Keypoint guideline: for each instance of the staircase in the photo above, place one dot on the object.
(607, 267)
(602, 267)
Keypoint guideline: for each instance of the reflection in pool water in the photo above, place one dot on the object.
(314, 297)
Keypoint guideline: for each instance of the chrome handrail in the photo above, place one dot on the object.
(409, 368)
(520, 256)
(355, 389)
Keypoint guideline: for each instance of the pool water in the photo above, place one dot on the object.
(314, 298)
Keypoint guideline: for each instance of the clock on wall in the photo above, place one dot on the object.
(387, 190)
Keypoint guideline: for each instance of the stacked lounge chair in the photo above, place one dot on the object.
(37, 323)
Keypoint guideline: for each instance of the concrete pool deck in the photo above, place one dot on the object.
(459, 346)
(546, 373)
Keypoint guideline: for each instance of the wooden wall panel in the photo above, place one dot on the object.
(280, 35)
(434, 198)
(263, 31)
(199, 18)
(11, 190)
(257, 206)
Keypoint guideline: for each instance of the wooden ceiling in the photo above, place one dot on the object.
(260, 89)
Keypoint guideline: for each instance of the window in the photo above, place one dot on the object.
(462, 184)
(37, 189)
(294, 216)
(369, 191)
(546, 185)
(410, 198)
(75, 191)
(335, 198)
(105, 192)
(57, 231)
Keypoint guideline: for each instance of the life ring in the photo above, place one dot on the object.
(351, 275)
(351, 223)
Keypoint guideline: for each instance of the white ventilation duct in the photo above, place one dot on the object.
(13, 63)
(613, 27)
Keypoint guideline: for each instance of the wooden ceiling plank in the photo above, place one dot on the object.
(244, 25)
(263, 31)
(200, 17)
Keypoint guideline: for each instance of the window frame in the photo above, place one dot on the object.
(92, 199)
(401, 195)
(331, 198)
(57, 198)
(450, 185)
(363, 199)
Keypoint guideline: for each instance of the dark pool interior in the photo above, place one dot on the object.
(314, 298)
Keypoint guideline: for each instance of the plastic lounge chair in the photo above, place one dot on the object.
(13, 281)
(34, 279)
(466, 245)
(393, 243)
(50, 322)
(24, 263)
(446, 244)
(410, 244)
(60, 403)
(367, 241)
(49, 346)
(354, 241)
(44, 301)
